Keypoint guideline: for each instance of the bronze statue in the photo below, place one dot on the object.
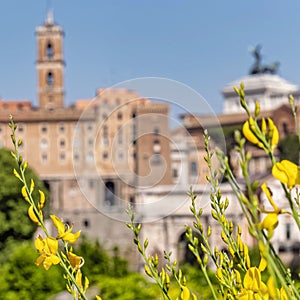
(258, 67)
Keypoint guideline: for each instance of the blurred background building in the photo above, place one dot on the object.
(101, 154)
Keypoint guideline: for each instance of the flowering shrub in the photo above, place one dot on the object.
(237, 276)
(51, 250)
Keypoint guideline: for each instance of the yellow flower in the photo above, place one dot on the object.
(269, 196)
(254, 288)
(249, 134)
(185, 293)
(33, 217)
(47, 248)
(270, 222)
(283, 295)
(273, 291)
(24, 194)
(287, 173)
(64, 233)
(256, 135)
(75, 260)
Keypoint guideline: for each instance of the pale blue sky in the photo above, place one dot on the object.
(203, 44)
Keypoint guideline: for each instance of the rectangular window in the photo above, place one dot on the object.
(120, 136)
(44, 128)
(62, 156)
(288, 231)
(61, 128)
(175, 173)
(44, 157)
(194, 169)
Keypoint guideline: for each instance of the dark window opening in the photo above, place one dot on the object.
(50, 79)
(175, 173)
(86, 223)
(184, 253)
(61, 128)
(132, 200)
(120, 116)
(288, 231)
(109, 193)
(44, 157)
(194, 169)
(91, 184)
(44, 129)
(285, 128)
(282, 249)
(62, 143)
(49, 51)
(105, 155)
(156, 131)
(21, 128)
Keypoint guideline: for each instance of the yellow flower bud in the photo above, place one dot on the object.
(257, 109)
(220, 274)
(17, 174)
(42, 200)
(273, 134)
(238, 279)
(31, 186)
(24, 194)
(249, 134)
(208, 231)
(263, 126)
(214, 215)
(167, 281)
(32, 215)
(224, 237)
(147, 270)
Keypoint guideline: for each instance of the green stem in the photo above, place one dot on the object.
(204, 270)
(71, 277)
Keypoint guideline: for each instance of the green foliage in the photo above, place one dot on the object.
(97, 260)
(13, 209)
(22, 279)
(133, 286)
(289, 148)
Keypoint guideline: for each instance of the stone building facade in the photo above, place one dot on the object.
(94, 154)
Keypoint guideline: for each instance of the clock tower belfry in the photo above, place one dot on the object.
(50, 64)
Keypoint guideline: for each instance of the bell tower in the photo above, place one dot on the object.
(50, 64)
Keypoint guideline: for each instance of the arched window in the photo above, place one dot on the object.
(50, 78)
(184, 253)
(49, 51)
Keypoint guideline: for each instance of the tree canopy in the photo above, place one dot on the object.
(14, 222)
